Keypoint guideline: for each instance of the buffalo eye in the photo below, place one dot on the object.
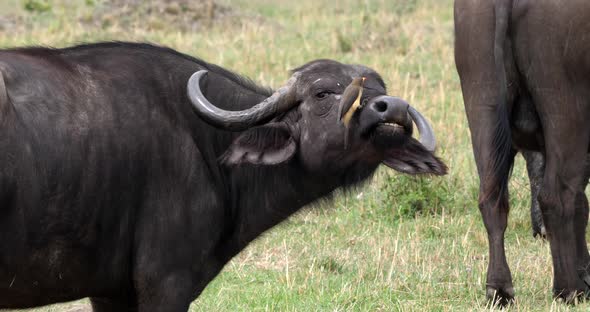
(323, 94)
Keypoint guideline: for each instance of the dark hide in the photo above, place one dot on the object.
(112, 188)
(525, 77)
(535, 165)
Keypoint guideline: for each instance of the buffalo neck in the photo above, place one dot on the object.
(262, 197)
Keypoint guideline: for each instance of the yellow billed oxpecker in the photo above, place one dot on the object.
(351, 101)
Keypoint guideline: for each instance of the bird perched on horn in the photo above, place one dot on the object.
(351, 101)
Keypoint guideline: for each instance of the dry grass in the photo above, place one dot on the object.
(360, 253)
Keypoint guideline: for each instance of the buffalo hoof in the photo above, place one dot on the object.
(500, 297)
(540, 232)
(585, 277)
(569, 296)
(574, 296)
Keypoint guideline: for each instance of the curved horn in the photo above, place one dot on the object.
(280, 101)
(426, 134)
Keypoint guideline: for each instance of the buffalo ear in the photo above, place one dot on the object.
(265, 145)
(413, 158)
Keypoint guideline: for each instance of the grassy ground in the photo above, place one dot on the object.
(401, 244)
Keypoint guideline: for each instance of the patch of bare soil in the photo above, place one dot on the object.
(179, 15)
(183, 15)
(10, 22)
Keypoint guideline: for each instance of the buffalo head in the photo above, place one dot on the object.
(302, 120)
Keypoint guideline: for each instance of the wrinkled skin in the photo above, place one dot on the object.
(111, 187)
(524, 74)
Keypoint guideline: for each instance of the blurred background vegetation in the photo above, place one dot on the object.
(398, 244)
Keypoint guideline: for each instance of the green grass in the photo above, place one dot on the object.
(400, 243)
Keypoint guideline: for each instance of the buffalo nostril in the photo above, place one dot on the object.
(380, 106)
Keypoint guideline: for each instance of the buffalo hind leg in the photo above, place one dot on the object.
(172, 293)
(535, 166)
(494, 208)
(481, 94)
(564, 205)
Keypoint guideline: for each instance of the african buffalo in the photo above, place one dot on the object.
(131, 173)
(525, 75)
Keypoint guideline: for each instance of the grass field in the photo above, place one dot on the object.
(398, 244)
